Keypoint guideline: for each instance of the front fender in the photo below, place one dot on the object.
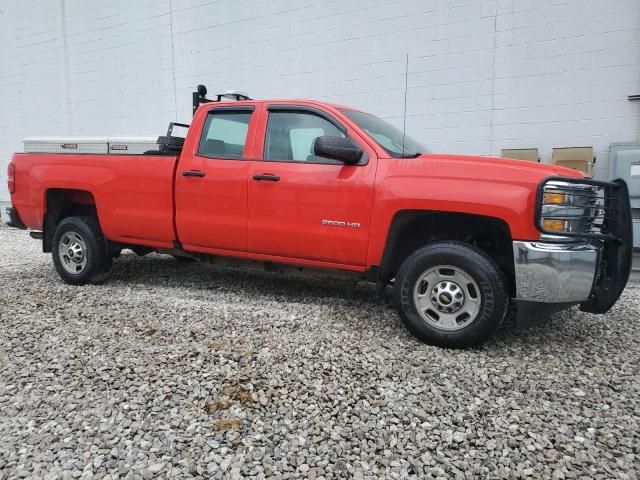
(511, 203)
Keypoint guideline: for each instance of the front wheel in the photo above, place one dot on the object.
(451, 294)
(79, 252)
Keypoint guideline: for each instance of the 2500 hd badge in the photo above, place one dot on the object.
(338, 223)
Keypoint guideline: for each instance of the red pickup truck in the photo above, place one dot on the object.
(461, 239)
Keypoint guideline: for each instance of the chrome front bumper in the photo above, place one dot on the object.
(555, 272)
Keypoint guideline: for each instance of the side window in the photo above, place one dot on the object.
(290, 135)
(224, 134)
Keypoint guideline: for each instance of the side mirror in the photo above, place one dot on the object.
(337, 148)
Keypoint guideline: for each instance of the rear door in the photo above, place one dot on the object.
(211, 182)
(307, 207)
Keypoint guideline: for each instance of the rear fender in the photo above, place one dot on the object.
(60, 203)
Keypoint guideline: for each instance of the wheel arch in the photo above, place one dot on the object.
(61, 203)
(412, 229)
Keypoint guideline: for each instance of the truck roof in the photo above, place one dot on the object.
(241, 98)
(295, 101)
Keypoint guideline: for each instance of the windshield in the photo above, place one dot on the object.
(386, 135)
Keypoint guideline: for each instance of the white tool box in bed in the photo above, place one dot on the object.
(94, 145)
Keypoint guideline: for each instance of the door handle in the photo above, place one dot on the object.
(267, 176)
(193, 173)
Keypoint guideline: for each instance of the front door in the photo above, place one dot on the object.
(307, 207)
(211, 183)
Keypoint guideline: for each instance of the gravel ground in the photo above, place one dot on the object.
(173, 370)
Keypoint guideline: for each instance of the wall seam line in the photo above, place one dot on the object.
(173, 63)
(493, 79)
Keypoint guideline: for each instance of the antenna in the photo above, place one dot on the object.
(404, 115)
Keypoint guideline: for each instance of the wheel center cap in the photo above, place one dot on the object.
(447, 297)
(75, 251)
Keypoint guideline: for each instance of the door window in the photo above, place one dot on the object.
(290, 136)
(224, 134)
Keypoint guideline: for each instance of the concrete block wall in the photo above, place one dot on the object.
(482, 74)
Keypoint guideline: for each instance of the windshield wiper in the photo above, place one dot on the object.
(413, 155)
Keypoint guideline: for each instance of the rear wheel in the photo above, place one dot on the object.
(451, 294)
(79, 253)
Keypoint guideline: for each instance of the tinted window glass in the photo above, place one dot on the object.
(290, 136)
(225, 134)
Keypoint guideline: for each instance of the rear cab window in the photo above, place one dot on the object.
(224, 134)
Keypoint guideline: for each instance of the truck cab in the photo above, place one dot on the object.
(250, 182)
(462, 240)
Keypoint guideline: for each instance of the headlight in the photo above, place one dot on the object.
(554, 198)
(568, 207)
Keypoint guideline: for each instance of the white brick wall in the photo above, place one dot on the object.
(483, 74)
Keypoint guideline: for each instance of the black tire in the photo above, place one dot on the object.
(491, 282)
(98, 262)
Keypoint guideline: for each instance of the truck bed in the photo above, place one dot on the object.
(134, 193)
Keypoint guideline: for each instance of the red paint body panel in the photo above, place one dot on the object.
(133, 193)
(211, 211)
(493, 187)
(286, 217)
(145, 200)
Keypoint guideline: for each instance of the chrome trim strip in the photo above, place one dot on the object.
(554, 272)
